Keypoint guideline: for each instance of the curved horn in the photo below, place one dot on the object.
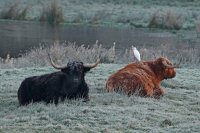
(92, 65)
(55, 65)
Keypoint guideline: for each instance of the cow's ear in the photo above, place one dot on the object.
(160, 61)
(86, 69)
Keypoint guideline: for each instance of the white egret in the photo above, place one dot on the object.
(136, 53)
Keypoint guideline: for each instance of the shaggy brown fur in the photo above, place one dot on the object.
(142, 77)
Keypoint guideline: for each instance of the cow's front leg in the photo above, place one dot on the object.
(85, 93)
(63, 97)
(158, 92)
(147, 91)
(52, 100)
(56, 100)
(86, 98)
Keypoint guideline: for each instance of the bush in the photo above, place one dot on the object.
(197, 27)
(14, 12)
(53, 14)
(62, 53)
(167, 20)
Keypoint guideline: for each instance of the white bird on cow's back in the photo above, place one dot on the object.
(136, 53)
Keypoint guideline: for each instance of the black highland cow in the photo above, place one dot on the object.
(67, 83)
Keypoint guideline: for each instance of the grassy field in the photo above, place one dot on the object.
(172, 14)
(178, 111)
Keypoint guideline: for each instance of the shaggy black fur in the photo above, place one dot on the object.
(67, 83)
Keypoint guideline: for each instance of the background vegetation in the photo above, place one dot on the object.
(62, 53)
(177, 111)
(171, 14)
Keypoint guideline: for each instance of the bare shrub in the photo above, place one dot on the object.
(156, 21)
(22, 15)
(53, 13)
(197, 27)
(10, 13)
(172, 21)
(187, 56)
(98, 17)
(62, 53)
(14, 12)
(8, 62)
(78, 18)
(168, 20)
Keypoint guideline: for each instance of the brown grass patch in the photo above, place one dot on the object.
(168, 20)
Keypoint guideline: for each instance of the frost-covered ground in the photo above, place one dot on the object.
(128, 12)
(178, 111)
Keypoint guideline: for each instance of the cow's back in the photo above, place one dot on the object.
(129, 79)
(37, 88)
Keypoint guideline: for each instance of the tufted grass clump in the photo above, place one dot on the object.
(168, 20)
(53, 13)
(197, 28)
(14, 12)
